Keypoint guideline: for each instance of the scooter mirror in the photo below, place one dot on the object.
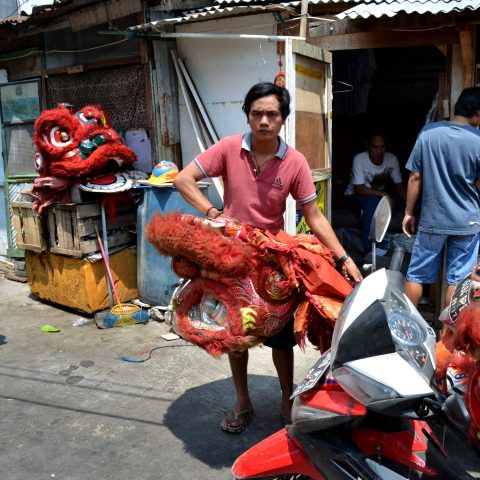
(381, 220)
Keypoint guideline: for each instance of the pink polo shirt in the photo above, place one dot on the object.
(260, 200)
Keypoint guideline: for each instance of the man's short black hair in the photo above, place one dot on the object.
(375, 132)
(264, 89)
(468, 103)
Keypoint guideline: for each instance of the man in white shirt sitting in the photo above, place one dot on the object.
(373, 174)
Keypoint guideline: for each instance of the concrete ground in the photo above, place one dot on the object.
(72, 410)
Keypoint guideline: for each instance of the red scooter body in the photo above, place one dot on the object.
(276, 455)
(282, 454)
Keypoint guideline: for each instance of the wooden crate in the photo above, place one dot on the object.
(29, 227)
(71, 228)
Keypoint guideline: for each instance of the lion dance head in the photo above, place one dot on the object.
(242, 285)
(72, 147)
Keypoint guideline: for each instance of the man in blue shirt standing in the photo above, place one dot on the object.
(445, 169)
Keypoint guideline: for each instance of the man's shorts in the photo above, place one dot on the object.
(284, 339)
(426, 261)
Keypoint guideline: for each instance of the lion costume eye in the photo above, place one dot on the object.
(38, 161)
(89, 119)
(58, 137)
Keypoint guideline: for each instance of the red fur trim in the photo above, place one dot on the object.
(184, 268)
(467, 327)
(302, 318)
(95, 164)
(60, 117)
(177, 235)
(312, 325)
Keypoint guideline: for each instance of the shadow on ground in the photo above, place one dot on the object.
(195, 419)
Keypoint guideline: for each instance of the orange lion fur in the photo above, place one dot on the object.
(178, 235)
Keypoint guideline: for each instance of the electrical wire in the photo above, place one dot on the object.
(46, 52)
(125, 358)
(88, 49)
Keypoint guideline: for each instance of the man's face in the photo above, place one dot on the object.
(265, 118)
(376, 149)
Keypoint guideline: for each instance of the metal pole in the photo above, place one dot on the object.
(216, 181)
(210, 36)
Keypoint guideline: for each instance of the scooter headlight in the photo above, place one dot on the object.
(364, 389)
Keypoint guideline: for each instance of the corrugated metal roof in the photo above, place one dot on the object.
(379, 8)
(13, 20)
(363, 9)
(210, 13)
(390, 8)
(292, 4)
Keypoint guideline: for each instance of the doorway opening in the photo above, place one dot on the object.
(388, 90)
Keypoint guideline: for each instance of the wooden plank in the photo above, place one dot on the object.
(117, 240)
(52, 227)
(76, 238)
(468, 55)
(66, 251)
(310, 50)
(27, 246)
(17, 225)
(21, 204)
(87, 227)
(80, 209)
(36, 234)
(103, 13)
(310, 138)
(28, 227)
(63, 230)
(447, 35)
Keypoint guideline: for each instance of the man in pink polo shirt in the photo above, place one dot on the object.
(259, 171)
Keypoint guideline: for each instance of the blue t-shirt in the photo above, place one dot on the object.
(448, 158)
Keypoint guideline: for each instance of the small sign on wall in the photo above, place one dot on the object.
(20, 102)
(301, 224)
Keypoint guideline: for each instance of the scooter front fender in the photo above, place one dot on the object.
(276, 455)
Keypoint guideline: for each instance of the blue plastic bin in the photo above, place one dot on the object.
(156, 281)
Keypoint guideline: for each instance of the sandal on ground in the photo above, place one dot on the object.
(236, 422)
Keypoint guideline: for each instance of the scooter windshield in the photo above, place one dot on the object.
(382, 349)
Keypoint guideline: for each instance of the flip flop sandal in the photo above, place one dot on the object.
(236, 422)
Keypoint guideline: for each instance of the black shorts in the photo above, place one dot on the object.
(284, 339)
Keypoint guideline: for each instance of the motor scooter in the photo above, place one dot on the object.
(362, 410)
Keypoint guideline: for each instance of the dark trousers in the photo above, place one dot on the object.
(365, 206)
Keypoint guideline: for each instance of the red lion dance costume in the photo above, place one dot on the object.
(72, 147)
(458, 351)
(245, 284)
